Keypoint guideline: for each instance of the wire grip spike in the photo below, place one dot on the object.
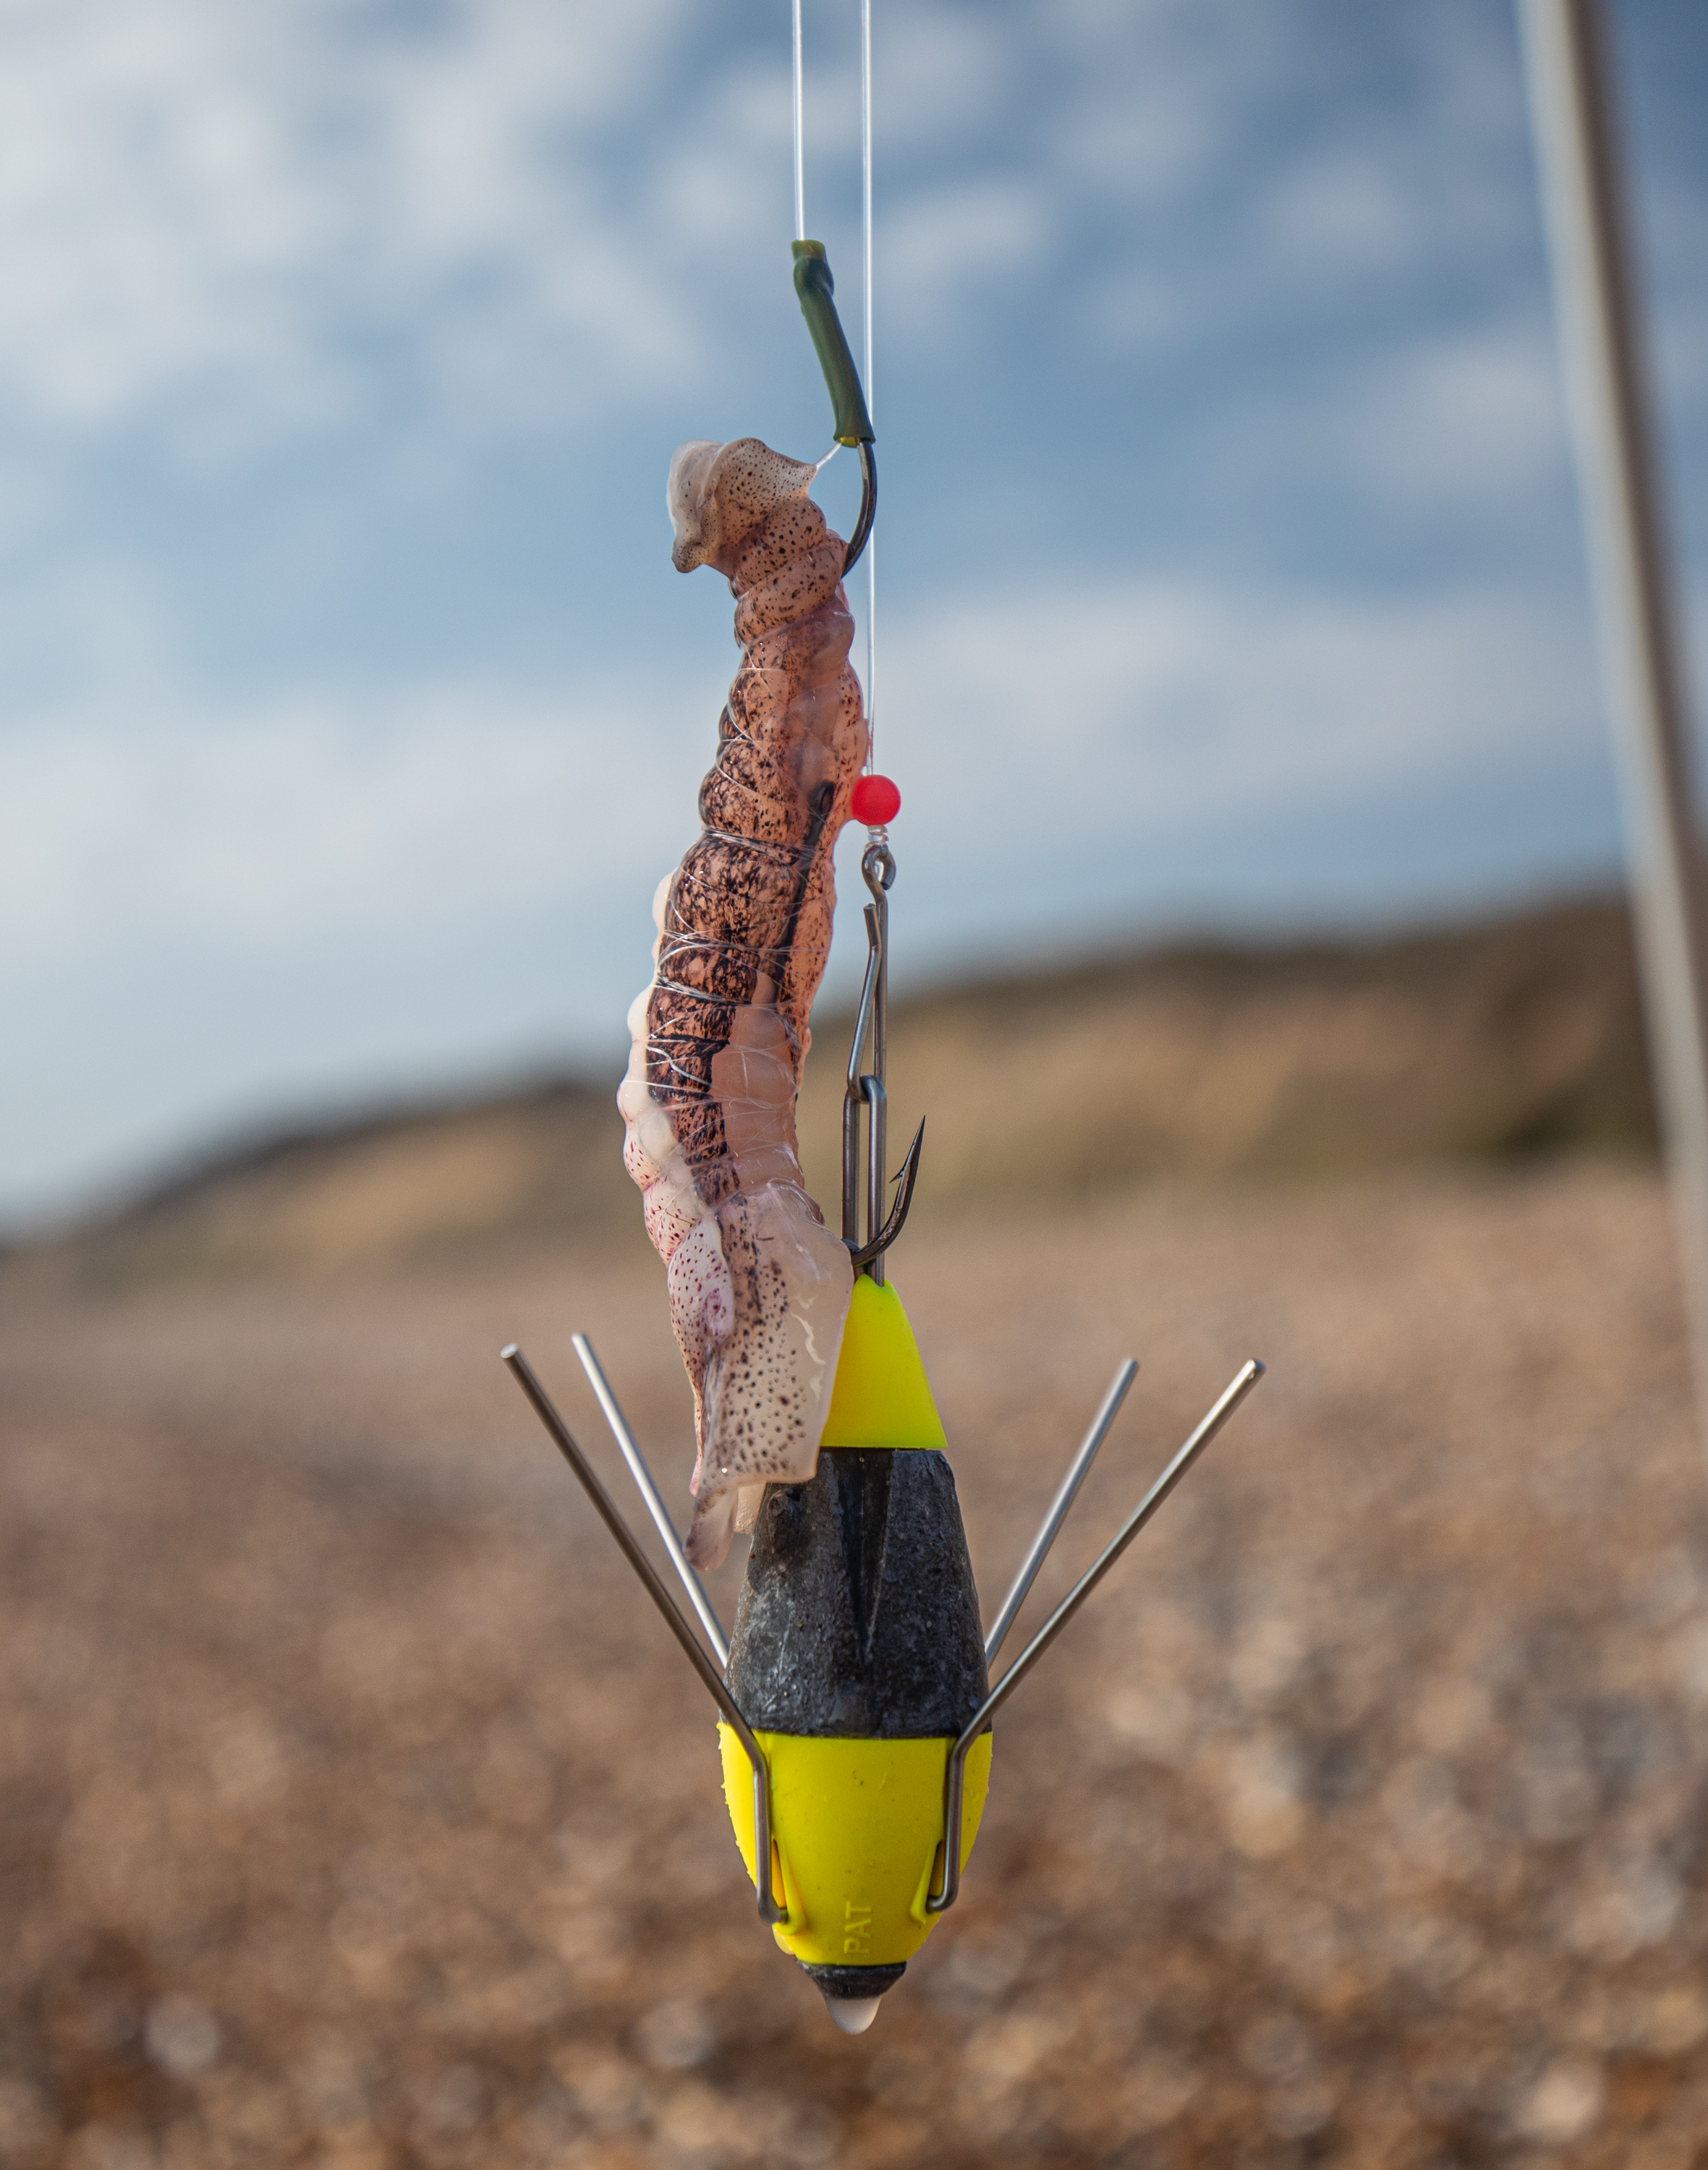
(544, 1408)
(955, 1781)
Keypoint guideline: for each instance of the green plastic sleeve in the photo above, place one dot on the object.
(817, 289)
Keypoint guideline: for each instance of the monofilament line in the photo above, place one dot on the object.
(800, 136)
(866, 243)
(866, 284)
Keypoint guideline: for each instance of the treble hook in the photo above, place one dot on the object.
(907, 1175)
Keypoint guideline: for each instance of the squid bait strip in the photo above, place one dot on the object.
(759, 1287)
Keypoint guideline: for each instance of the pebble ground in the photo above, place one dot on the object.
(355, 1812)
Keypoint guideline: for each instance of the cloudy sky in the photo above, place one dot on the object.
(350, 709)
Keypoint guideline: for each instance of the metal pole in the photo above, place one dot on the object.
(1568, 63)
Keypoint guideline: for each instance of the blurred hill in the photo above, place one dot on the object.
(1512, 1037)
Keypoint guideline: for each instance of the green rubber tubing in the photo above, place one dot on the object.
(817, 289)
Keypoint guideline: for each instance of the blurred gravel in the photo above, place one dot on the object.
(355, 1811)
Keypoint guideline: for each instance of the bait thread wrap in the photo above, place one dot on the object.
(759, 1287)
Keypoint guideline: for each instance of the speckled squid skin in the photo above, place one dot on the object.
(759, 1287)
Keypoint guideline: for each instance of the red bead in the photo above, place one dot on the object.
(876, 801)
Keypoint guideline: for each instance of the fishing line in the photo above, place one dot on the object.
(800, 139)
(866, 255)
(799, 82)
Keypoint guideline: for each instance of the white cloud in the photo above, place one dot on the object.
(1464, 424)
(1473, 419)
(1138, 705)
(1347, 207)
(1249, 189)
(936, 250)
(127, 830)
(1150, 96)
(1147, 707)
(1412, 199)
(940, 74)
(1134, 310)
(216, 199)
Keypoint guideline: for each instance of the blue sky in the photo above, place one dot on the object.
(349, 709)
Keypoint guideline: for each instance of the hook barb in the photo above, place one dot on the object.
(907, 1175)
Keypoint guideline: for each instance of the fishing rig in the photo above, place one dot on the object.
(853, 1693)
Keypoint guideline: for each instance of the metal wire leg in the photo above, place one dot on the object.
(1048, 1529)
(546, 1411)
(955, 1791)
(649, 1492)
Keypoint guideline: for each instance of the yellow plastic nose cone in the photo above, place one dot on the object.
(881, 1397)
(852, 2014)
